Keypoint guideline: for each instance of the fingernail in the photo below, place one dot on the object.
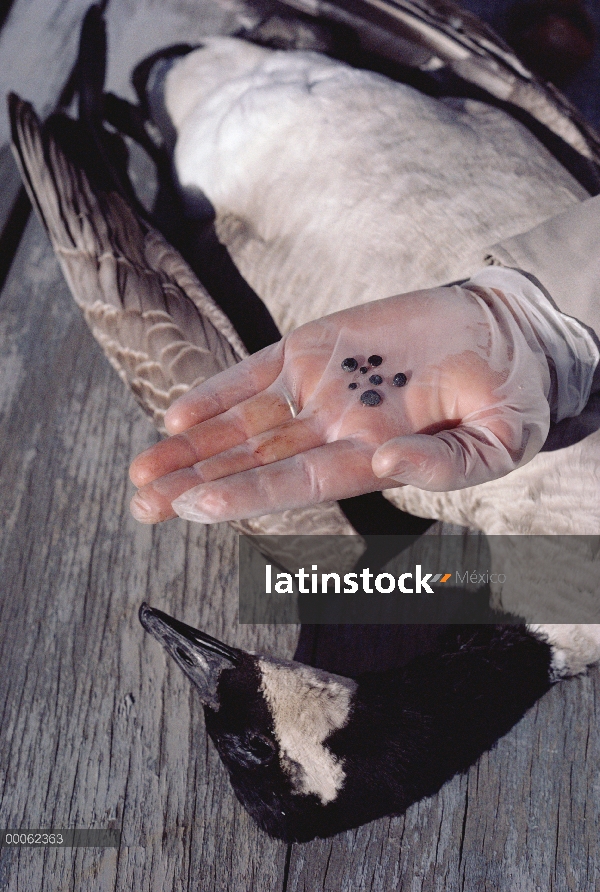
(141, 509)
(384, 465)
(402, 472)
(172, 422)
(138, 473)
(402, 469)
(187, 508)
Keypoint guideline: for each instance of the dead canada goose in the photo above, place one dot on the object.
(163, 333)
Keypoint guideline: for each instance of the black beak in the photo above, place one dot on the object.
(201, 657)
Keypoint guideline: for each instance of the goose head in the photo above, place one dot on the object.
(273, 723)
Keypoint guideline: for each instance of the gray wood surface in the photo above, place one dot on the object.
(38, 46)
(10, 183)
(97, 729)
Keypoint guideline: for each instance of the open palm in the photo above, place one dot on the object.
(440, 390)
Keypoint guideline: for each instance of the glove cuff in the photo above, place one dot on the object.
(570, 349)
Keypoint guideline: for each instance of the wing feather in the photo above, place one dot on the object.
(155, 322)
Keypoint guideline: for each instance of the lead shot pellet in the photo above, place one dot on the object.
(370, 398)
(349, 364)
(376, 379)
(400, 379)
(363, 370)
(375, 360)
(352, 386)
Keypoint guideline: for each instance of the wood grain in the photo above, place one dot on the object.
(10, 185)
(38, 47)
(97, 729)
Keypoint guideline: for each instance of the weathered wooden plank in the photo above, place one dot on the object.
(38, 46)
(97, 728)
(542, 785)
(10, 184)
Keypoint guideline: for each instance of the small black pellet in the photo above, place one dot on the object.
(376, 379)
(370, 398)
(352, 386)
(400, 379)
(375, 360)
(349, 365)
(363, 370)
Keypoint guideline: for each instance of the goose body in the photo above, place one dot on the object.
(334, 186)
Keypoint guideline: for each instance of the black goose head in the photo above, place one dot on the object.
(272, 723)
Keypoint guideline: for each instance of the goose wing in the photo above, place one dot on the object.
(155, 322)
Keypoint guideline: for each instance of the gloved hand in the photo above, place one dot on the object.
(290, 426)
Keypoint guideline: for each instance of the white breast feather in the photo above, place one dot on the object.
(574, 647)
(334, 186)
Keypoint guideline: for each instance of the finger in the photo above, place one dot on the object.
(152, 503)
(333, 471)
(451, 459)
(221, 392)
(255, 415)
(297, 435)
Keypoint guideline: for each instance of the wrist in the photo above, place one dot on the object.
(569, 348)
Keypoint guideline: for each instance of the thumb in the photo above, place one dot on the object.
(450, 459)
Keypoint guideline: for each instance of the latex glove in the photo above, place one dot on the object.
(474, 407)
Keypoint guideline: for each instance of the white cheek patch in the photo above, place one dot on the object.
(574, 647)
(307, 706)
